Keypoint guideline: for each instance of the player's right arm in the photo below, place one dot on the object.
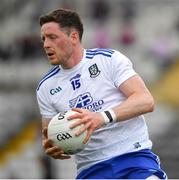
(48, 146)
(47, 111)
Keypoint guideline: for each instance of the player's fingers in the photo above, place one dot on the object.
(79, 110)
(64, 156)
(88, 136)
(83, 128)
(52, 150)
(83, 121)
(47, 143)
(76, 124)
(75, 116)
(59, 155)
(44, 132)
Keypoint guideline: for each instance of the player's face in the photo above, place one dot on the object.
(57, 44)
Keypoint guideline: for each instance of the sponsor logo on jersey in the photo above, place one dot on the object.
(94, 71)
(55, 90)
(75, 81)
(86, 101)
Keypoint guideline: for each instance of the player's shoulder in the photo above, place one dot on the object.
(104, 52)
(50, 74)
(99, 52)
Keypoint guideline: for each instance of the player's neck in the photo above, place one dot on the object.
(76, 57)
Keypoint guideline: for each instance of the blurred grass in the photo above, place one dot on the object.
(16, 145)
(167, 89)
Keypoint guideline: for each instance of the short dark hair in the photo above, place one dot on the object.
(66, 18)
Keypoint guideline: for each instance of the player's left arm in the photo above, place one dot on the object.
(139, 100)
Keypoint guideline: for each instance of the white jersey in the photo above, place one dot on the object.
(93, 85)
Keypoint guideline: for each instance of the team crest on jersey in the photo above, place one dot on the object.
(94, 71)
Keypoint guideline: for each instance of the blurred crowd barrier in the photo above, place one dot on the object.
(146, 31)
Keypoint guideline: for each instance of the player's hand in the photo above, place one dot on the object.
(51, 150)
(90, 120)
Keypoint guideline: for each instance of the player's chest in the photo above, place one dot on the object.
(81, 89)
(83, 79)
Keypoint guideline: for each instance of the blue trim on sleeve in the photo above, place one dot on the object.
(90, 53)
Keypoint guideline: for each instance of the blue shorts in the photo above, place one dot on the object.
(134, 165)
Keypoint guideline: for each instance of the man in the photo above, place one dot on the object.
(109, 96)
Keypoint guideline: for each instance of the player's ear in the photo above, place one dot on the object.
(74, 36)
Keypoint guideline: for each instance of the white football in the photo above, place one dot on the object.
(64, 137)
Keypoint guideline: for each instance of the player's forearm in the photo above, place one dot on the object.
(135, 105)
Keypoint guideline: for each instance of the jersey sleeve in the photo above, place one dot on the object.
(46, 108)
(122, 68)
